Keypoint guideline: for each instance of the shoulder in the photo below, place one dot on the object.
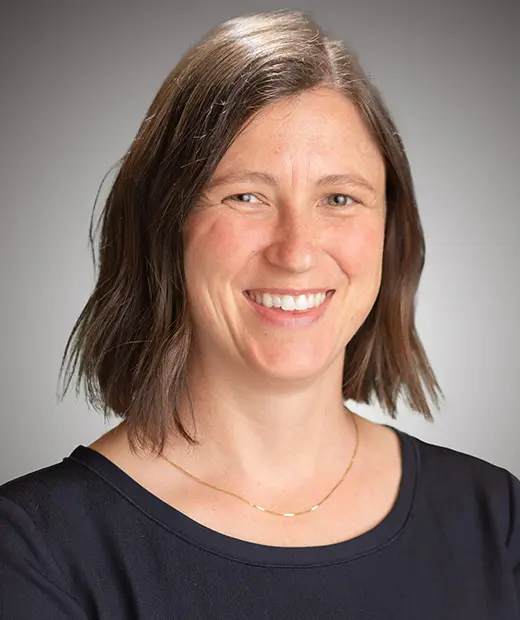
(36, 509)
(54, 508)
(451, 467)
(469, 491)
(59, 485)
(40, 515)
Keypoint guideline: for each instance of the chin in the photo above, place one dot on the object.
(294, 366)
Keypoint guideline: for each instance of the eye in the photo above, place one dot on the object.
(340, 200)
(245, 197)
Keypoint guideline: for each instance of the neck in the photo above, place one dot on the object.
(266, 435)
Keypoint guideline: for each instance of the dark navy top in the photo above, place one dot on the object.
(81, 539)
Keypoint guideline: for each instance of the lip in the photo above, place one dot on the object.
(293, 319)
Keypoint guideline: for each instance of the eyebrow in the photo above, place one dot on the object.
(269, 179)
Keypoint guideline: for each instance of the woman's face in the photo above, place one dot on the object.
(294, 212)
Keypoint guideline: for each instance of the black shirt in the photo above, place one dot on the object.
(81, 539)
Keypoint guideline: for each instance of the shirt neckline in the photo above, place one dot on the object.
(382, 534)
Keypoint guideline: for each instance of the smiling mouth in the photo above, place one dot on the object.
(293, 304)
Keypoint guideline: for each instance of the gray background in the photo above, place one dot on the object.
(77, 79)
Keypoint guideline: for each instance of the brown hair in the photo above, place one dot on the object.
(133, 336)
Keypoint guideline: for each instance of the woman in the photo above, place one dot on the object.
(259, 258)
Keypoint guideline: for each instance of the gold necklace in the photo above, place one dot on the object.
(273, 512)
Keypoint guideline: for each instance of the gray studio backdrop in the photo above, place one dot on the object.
(77, 79)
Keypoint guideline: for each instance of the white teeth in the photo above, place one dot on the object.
(288, 302)
(267, 300)
(302, 303)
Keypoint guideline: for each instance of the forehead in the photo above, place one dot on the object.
(317, 132)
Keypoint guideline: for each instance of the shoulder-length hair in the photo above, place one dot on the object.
(131, 341)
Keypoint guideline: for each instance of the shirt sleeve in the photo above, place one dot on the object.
(31, 584)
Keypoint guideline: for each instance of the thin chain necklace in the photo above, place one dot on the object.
(274, 512)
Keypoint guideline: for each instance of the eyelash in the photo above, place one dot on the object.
(233, 197)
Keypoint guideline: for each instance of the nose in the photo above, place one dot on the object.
(294, 244)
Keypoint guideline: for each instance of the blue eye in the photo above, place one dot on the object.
(340, 200)
(239, 197)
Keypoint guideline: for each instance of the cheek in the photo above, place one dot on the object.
(216, 246)
(359, 247)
